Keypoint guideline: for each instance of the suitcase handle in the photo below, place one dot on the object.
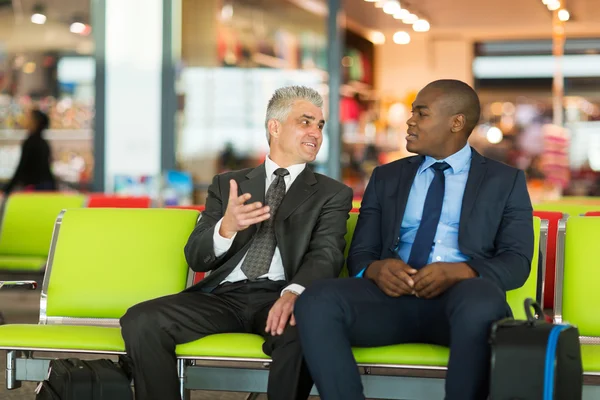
(539, 313)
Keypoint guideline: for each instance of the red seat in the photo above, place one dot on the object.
(116, 201)
(199, 208)
(553, 217)
(592, 214)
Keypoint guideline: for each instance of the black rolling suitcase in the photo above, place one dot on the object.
(535, 360)
(74, 379)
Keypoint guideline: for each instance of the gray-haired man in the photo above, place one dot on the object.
(266, 234)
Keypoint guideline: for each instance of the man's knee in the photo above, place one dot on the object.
(479, 304)
(320, 298)
(138, 320)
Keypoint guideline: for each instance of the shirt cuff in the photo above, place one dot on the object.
(361, 273)
(294, 288)
(220, 244)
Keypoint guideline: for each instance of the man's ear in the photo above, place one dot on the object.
(458, 123)
(274, 128)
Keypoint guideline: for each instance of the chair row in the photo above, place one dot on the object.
(138, 254)
(27, 220)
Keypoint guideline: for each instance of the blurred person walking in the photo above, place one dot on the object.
(33, 171)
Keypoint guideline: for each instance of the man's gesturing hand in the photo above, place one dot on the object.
(393, 276)
(239, 216)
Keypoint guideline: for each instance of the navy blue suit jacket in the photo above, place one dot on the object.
(496, 221)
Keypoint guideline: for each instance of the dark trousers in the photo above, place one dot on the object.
(334, 315)
(152, 329)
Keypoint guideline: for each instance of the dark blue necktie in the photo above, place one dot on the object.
(421, 248)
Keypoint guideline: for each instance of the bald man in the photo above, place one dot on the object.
(440, 238)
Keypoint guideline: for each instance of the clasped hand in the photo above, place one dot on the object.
(395, 278)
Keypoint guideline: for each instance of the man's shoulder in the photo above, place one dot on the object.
(236, 174)
(329, 183)
(500, 168)
(392, 168)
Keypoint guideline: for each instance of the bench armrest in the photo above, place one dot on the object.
(28, 284)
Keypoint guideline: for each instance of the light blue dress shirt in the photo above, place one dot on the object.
(445, 248)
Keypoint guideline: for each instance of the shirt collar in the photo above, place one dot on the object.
(294, 170)
(457, 161)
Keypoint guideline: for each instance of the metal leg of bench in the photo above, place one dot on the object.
(252, 396)
(185, 394)
(11, 370)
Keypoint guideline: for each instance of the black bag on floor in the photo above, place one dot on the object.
(535, 360)
(74, 379)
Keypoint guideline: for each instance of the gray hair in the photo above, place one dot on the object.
(281, 103)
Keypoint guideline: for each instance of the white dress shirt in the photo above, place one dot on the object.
(222, 245)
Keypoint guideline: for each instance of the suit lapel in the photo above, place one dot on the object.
(304, 186)
(476, 175)
(400, 196)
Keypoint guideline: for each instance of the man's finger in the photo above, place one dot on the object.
(239, 201)
(293, 320)
(256, 220)
(422, 281)
(269, 318)
(283, 319)
(248, 208)
(253, 213)
(233, 191)
(403, 276)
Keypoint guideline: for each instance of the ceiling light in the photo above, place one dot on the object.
(391, 7)
(39, 19)
(563, 15)
(401, 37)
(379, 4)
(553, 5)
(401, 14)
(39, 14)
(421, 26)
(77, 27)
(377, 37)
(494, 135)
(410, 19)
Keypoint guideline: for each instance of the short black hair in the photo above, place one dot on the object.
(460, 98)
(42, 122)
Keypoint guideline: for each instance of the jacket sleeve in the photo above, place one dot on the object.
(325, 255)
(199, 250)
(367, 240)
(511, 265)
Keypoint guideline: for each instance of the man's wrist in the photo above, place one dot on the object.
(225, 233)
(465, 271)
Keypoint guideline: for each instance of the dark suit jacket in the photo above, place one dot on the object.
(496, 222)
(309, 226)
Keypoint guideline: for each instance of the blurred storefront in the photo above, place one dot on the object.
(46, 61)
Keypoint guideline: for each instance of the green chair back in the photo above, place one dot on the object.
(516, 298)
(107, 259)
(580, 288)
(28, 221)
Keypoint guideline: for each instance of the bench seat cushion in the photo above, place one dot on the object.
(9, 262)
(57, 337)
(241, 345)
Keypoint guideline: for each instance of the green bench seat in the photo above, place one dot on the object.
(26, 227)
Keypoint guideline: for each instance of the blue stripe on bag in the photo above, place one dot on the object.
(550, 360)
